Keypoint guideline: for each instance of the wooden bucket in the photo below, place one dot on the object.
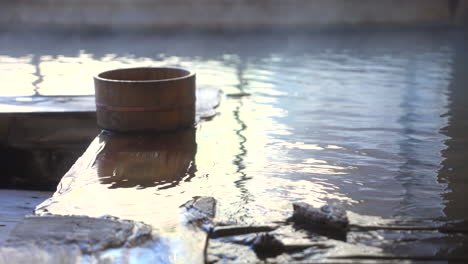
(145, 99)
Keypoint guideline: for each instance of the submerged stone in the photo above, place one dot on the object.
(331, 215)
(266, 245)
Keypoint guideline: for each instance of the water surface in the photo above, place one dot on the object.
(376, 121)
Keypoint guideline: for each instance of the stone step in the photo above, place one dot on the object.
(41, 137)
(105, 208)
(14, 205)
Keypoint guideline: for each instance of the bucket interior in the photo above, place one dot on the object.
(144, 74)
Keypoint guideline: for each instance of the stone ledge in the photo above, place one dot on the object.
(14, 205)
(214, 14)
(38, 148)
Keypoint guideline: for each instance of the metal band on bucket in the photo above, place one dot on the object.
(140, 108)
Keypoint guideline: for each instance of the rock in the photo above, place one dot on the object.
(332, 216)
(73, 239)
(203, 205)
(14, 205)
(90, 234)
(221, 252)
(201, 209)
(266, 245)
(198, 215)
(208, 99)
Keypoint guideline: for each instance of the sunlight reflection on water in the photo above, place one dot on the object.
(349, 118)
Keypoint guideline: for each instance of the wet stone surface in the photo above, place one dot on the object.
(284, 245)
(82, 239)
(55, 238)
(329, 215)
(90, 234)
(309, 234)
(199, 213)
(287, 244)
(200, 208)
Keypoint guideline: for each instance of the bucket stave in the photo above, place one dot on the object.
(145, 99)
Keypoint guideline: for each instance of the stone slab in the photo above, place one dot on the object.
(70, 239)
(53, 130)
(38, 148)
(46, 135)
(14, 205)
(90, 234)
(118, 170)
(46, 104)
(82, 239)
(135, 159)
(207, 99)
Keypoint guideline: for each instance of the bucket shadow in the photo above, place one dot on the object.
(140, 161)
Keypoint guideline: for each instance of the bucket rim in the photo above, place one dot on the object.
(188, 75)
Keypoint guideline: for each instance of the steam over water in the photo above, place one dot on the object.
(376, 121)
